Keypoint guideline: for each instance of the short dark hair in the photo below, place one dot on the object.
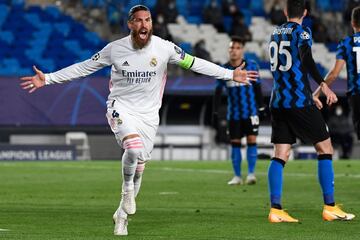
(238, 39)
(355, 17)
(135, 9)
(295, 8)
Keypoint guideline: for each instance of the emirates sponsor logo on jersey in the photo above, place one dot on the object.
(138, 77)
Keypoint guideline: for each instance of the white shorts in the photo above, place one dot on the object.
(124, 123)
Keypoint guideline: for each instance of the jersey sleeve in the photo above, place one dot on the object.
(305, 37)
(81, 69)
(179, 56)
(187, 61)
(340, 51)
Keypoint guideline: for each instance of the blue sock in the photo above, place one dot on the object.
(236, 158)
(326, 178)
(251, 157)
(275, 179)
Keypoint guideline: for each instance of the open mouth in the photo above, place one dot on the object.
(143, 33)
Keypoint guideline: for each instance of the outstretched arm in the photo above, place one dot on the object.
(75, 71)
(210, 69)
(186, 61)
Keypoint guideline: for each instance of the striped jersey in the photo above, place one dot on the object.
(291, 88)
(241, 99)
(349, 50)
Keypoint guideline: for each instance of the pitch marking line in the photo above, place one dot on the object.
(258, 173)
(4, 230)
(168, 193)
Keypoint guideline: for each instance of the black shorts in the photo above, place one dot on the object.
(244, 127)
(355, 105)
(305, 123)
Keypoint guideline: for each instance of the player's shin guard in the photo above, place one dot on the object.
(251, 153)
(133, 150)
(275, 179)
(236, 158)
(326, 178)
(138, 176)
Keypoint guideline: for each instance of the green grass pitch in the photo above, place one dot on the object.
(179, 200)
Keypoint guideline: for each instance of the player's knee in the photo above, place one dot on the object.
(134, 148)
(324, 147)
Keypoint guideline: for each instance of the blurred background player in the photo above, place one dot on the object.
(243, 104)
(139, 66)
(294, 114)
(348, 52)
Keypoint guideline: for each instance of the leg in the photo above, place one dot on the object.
(324, 150)
(275, 179)
(331, 211)
(133, 151)
(275, 173)
(251, 153)
(236, 159)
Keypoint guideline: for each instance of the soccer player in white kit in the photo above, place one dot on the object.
(138, 76)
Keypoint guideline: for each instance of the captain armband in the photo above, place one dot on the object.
(187, 61)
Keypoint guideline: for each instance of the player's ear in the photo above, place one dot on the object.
(129, 24)
(305, 13)
(286, 12)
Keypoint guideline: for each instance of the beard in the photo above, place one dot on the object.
(141, 38)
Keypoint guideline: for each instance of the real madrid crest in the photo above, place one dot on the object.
(153, 62)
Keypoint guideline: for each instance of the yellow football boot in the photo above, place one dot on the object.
(279, 215)
(331, 213)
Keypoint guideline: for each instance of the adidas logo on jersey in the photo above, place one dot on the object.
(305, 35)
(126, 64)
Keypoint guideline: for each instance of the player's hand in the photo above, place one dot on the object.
(330, 95)
(243, 76)
(317, 101)
(34, 82)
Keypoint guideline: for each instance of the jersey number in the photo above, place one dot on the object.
(254, 120)
(357, 51)
(275, 50)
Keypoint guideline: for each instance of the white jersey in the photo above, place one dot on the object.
(138, 76)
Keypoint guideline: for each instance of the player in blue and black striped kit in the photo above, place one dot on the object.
(294, 114)
(348, 52)
(244, 102)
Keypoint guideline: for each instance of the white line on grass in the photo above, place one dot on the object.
(168, 193)
(258, 173)
(4, 230)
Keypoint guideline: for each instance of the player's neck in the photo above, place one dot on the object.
(296, 20)
(236, 63)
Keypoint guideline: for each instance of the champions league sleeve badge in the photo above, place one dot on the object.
(95, 57)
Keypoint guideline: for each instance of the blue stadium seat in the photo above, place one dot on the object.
(182, 7)
(227, 21)
(194, 19)
(186, 47)
(247, 16)
(257, 7)
(44, 37)
(323, 5)
(242, 4)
